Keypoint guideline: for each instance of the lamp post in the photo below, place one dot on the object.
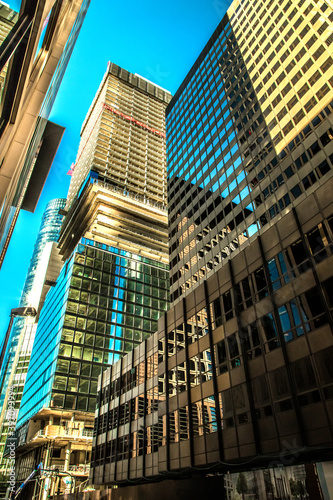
(14, 313)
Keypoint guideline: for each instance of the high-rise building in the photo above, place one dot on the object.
(237, 375)
(44, 267)
(123, 137)
(117, 193)
(114, 285)
(36, 52)
(253, 97)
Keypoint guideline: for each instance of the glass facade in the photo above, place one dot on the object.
(106, 302)
(12, 202)
(16, 362)
(8, 19)
(240, 363)
(249, 132)
(237, 371)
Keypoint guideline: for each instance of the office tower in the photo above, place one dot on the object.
(252, 98)
(42, 273)
(123, 137)
(237, 375)
(114, 285)
(37, 51)
(117, 193)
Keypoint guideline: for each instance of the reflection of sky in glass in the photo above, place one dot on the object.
(206, 128)
(118, 304)
(199, 113)
(42, 36)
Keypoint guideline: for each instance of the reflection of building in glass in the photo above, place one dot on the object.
(191, 258)
(105, 302)
(244, 358)
(114, 285)
(42, 41)
(236, 372)
(43, 267)
(235, 129)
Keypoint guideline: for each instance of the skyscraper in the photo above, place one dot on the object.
(253, 96)
(38, 280)
(37, 51)
(114, 285)
(117, 193)
(239, 365)
(123, 137)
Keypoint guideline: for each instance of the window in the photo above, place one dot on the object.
(261, 396)
(261, 285)
(227, 305)
(316, 308)
(251, 339)
(270, 332)
(233, 350)
(318, 241)
(299, 257)
(221, 355)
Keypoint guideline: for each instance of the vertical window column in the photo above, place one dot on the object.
(166, 368)
(118, 419)
(244, 333)
(216, 394)
(188, 386)
(276, 316)
(145, 413)
(309, 256)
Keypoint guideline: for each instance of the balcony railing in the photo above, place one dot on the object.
(58, 430)
(79, 469)
(130, 194)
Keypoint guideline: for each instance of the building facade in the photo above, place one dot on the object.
(105, 303)
(114, 285)
(8, 19)
(37, 51)
(249, 132)
(228, 379)
(239, 365)
(117, 193)
(17, 357)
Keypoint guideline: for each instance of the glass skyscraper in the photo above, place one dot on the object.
(17, 357)
(249, 132)
(52, 24)
(105, 303)
(114, 284)
(238, 375)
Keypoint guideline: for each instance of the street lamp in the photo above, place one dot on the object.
(14, 313)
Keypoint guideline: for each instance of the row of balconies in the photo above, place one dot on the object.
(58, 430)
(141, 113)
(132, 96)
(77, 469)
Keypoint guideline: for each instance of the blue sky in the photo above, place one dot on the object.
(159, 41)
